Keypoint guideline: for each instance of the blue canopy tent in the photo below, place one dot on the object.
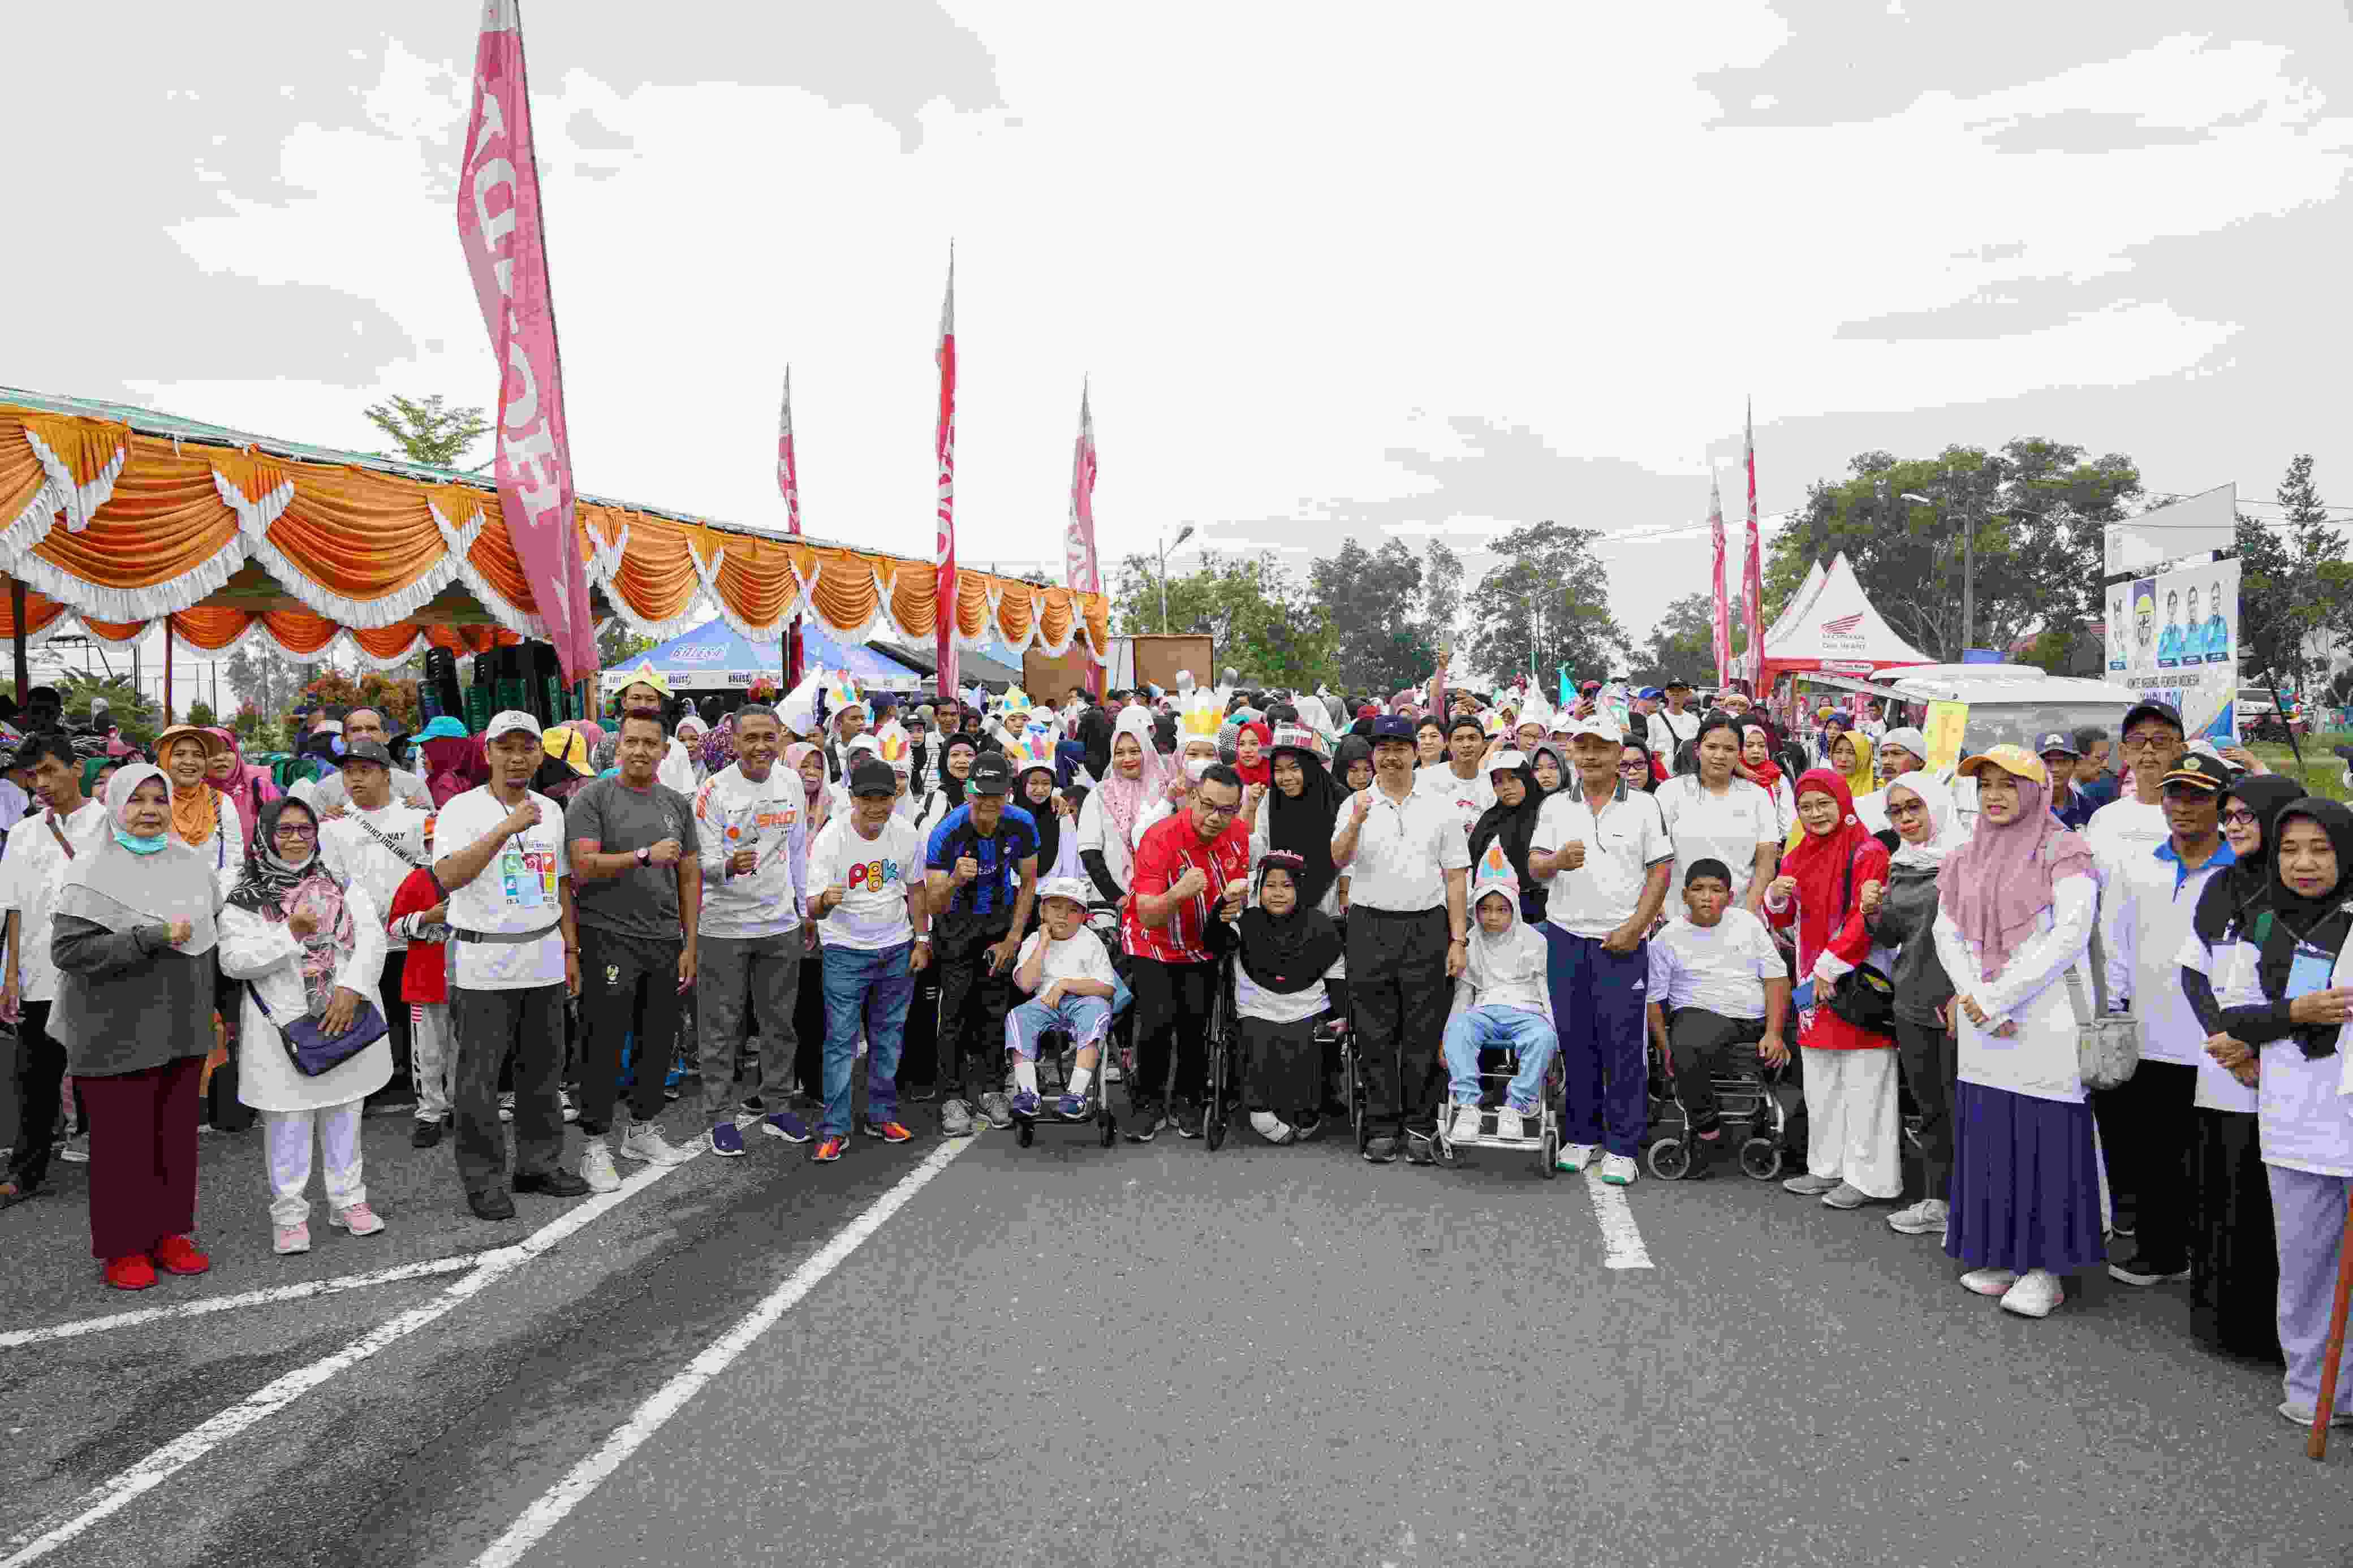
(716, 657)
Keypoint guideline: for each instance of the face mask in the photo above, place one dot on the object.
(1196, 766)
(139, 846)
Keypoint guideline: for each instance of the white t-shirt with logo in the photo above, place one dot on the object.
(1469, 798)
(516, 892)
(874, 871)
(1622, 844)
(1726, 827)
(1721, 969)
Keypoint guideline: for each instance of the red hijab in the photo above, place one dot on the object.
(1768, 772)
(1258, 772)
(1821, 863)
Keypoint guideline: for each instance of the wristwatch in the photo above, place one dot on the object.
(645, 857)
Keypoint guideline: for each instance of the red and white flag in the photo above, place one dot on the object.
(1722, 638)
(789, 476)
(943, 445)
(1752, 577)
(1078, 568)
(500, 230)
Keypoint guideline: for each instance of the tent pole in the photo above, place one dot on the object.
(24, 666)
(167, 672)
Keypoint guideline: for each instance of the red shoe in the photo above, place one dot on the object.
(178, 1255)
(131, 1273)
(829, 1147)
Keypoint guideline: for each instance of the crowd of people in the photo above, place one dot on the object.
(1005, 907)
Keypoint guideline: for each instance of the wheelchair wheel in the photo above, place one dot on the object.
(1760, 1158)
(1669, 1159)
(1550, 1156)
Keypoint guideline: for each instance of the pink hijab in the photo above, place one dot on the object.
(820, 799)
(1126, 799)
(1997, 886)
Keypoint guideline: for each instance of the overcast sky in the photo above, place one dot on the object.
(1422, 274)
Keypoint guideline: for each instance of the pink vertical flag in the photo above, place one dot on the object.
(501, 229)
(1722, 638)
(1079, 539)
(788, 482)
(1752, 578)
(944, 447)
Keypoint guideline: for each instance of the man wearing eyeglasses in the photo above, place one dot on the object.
(2120, 831)
(1187, 866)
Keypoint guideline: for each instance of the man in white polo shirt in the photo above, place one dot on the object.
(1609, 856)
(1408, 861)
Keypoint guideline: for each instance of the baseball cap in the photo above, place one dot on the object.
(992, 774)
(1678, 684)
(365, 752)
(1507, 761)
(873, 776)
(506, 724)
(1393, 727)
(1653, 693)
(2010, 759)
(1599, 724)
(2164, 710)
(2059, 742)
(2197, 770)
(1590, 686)
(1069, 888)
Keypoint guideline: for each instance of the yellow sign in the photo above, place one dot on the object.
(1946, 720)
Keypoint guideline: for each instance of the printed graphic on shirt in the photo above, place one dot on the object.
(872, 877)
(527, 877)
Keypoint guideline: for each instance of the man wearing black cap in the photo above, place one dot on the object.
(2153, 741)
(2057, 749)
(376, 840)
(876, 940)
(2147, 1122)
(981, 879)
(1408, 862)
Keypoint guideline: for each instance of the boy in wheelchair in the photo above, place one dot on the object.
(1072, 985)
(1501, 1001)
(1717, 983)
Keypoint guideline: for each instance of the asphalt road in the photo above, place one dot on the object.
(1069, 1355)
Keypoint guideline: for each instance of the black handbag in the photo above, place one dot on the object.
(314, 1051)
(1862, 996)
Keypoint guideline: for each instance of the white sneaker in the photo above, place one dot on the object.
(597, 1167)
(1619, 1169)
(1575, 1157)
(645, 1142)
(1112, 1074)
(1509, 1125)
(1990, 1281)
(1927, 1218)
(1465, 1127)
(1270, 1127)
(295, 1237)
(2037, 1291)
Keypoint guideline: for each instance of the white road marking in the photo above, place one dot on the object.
(38, 1540)
(648, 1418)
(1622, 1239)
(335, 1286)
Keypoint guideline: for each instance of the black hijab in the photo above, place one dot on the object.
(1346, 755)
(1048, 820)
(263, 885)
(1302, 827)
(951, 785)
(1287, 955)
(1094, 735)
(1514, 825)
(2240, 890)
(2293, 921)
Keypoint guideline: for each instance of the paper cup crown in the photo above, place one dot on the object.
(1202, 716)
(1035, 749)
(1493, 874)
(893, 746)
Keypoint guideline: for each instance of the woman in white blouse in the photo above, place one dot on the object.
(2015, 907)
(1713, 815)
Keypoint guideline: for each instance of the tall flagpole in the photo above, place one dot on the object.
(1722, 630)
(1752, 580)
(788, 480)
(944, 448)
(1079, 564)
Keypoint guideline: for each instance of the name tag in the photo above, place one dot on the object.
(2309, 972)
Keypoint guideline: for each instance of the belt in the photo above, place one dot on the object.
(504, 935)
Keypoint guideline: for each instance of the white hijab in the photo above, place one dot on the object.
(1945, 835)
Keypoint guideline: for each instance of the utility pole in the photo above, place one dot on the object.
(1968, 573)
(1166, 546)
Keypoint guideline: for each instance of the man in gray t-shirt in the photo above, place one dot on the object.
(637, 886)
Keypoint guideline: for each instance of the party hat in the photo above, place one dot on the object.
(892, 745)
(1493, 874)
(1202, 716)
(1033, 749)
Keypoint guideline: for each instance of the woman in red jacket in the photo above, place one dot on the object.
(1850, 1071)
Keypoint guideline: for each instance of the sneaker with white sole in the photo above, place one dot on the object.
(1575, 1157)
(1270, 1127)
(1927, 1218)
(995, 1109)
(2038, 1290)
(1511, 1125)
(726, 1139)
(2302, 1416)
(1845, 1196)
(2139, 1269)
(1990, 1281)
(1806, 1184)
(75, 1149)
(1619, 1169)
(1465, 1126)
(295, 1237)
(506, 1106)
(357, 1219)
(597, 1167)
(955, 1119)
(784, 1124)
(567, 1106)
(645, 1142)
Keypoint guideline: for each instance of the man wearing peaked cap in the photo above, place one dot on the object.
(981, 876)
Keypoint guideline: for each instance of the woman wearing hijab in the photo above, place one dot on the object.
(1512, 822)
(691, 739)
(1285, 950)
(133, 943)
(308, 946)
(956, 767)
(1352, 759)
(247, 786)
(1848, 1070)
(1549, 765)
(2287, 994)
(2015, 907)
(453, 762)
(2233, 1251)
(1250, 747)
(1638, 767)
(1851, 759)
(203, 818)
(1761, 766)
(1033, 787)
(1903, 916)
(1294, 815)
(1115, 810)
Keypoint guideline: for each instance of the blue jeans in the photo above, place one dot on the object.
(1088, 1019)
(873, 988)
(1476, 1029)
(1597, 1001)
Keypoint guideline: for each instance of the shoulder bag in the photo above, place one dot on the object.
(2107, 1049)
(312, 1050)
(1862, 996)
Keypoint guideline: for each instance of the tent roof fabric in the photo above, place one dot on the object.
(1837, 629)
(716, 656)
(112, 516)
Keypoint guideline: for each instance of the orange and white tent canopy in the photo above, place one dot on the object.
(1832, 625)
(112, 517)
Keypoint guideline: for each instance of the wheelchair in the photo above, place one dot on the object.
(1226, 1070)
(1752, 1099)
(1496, 1068)
(1118, 1045)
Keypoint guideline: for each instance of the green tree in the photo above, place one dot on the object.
(616, 644)
(267, 678)
(2035, 510)
(139, 720)
(1548, 605)
(1257, 617)
(1369, 598)
(200, 714)
(427, 432)
(2288, 592)
(1682, 644)
(1441, 579)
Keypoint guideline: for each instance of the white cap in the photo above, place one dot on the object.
(1071, 888)
(1506, 761)
(506, 724)
(1599, 724)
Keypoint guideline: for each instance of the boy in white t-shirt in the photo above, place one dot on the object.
(1716, 981)
(1072, 984)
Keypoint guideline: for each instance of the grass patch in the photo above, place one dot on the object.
(2322, 772)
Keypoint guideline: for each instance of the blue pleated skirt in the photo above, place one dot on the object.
(2026, 1183)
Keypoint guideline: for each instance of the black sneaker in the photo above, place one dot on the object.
(1418, 1151)
(493, 1204)
(2139, 1269)
(1142, 1125)
(425, 1134)
(1381, 1149)
(1703, 1158)
(1187, 1117)
(552, 1183)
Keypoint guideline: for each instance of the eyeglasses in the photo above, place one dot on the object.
(1633, 767)
(292, 832)
(2149, 742)
(2238, 819)
(1209, 810)
(1896, 813)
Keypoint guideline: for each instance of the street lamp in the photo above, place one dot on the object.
(1183, 534)
(1969, 574)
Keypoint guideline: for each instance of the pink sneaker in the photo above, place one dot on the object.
(359, 1219)
(288, 1238)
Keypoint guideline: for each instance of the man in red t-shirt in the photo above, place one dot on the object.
(1187, 864)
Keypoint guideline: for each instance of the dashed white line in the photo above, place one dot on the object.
(648, 1418)
(1622, 1239)
(109, 1496)
(340, 1283)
